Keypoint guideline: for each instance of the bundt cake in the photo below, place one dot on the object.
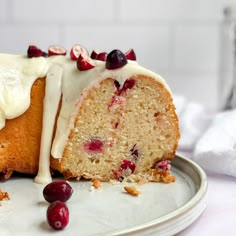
(97, 117)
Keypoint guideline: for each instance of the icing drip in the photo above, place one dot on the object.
(51, 102)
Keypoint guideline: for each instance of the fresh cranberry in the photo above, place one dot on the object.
(94, 54)
(57, 190)
(102, 56)
(115, 59)
(130, 55)
(34, 51)
(55, 50)
(84, 62)
(127, 164)
(58, 215)
(76, 50)
(95, 145)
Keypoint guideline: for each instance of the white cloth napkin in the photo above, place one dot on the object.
(211, 138)
(193, 121)
(216, 149)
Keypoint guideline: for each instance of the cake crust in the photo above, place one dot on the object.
(20, 138)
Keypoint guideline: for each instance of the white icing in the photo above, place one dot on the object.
(17, 75)
(51, 103)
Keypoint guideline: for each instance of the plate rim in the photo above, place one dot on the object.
(192, 209)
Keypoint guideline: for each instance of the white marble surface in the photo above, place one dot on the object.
(219, 217)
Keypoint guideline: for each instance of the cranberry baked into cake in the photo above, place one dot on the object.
(101, 116)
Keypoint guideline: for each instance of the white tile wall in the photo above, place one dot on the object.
(197, 49)
(62, 11)
(171, 9)
(3, 10)
(178, 39)
(147, 41)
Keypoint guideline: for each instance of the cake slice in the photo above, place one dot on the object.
(125, 128)
(108, 120)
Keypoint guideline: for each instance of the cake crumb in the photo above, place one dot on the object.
(168, 179)
(4, 195)
(97, 183)
(142, 182)
(132, 190)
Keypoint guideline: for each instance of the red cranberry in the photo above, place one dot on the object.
(115, 59)
(58, 215)
(127, 164)
(55, 50)
(130, 55)
(102, 56)
(95, 145)
(76, 50)
(127, 167)
(129, 84)
(117, 84)
(34, 51)
(57, 190)
(94, 54)
(163, 165)
(84, 62)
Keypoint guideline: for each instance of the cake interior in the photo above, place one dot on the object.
(135, 121)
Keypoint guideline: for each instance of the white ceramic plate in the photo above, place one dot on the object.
(160, 209)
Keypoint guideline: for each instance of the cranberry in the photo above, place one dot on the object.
(95, 145)
(57, 190)
(115, 59)
(117, 84)
(129, 84)
(58, 215)
(127, 164)
(84, 62)
(55, 50)
(130, 55)
(34, 51)
(102, 56)
(134, 152)
(163, 165)
(94, 54)
(127, 167)
(76, 50)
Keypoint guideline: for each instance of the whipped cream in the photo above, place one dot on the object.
(17, 75)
